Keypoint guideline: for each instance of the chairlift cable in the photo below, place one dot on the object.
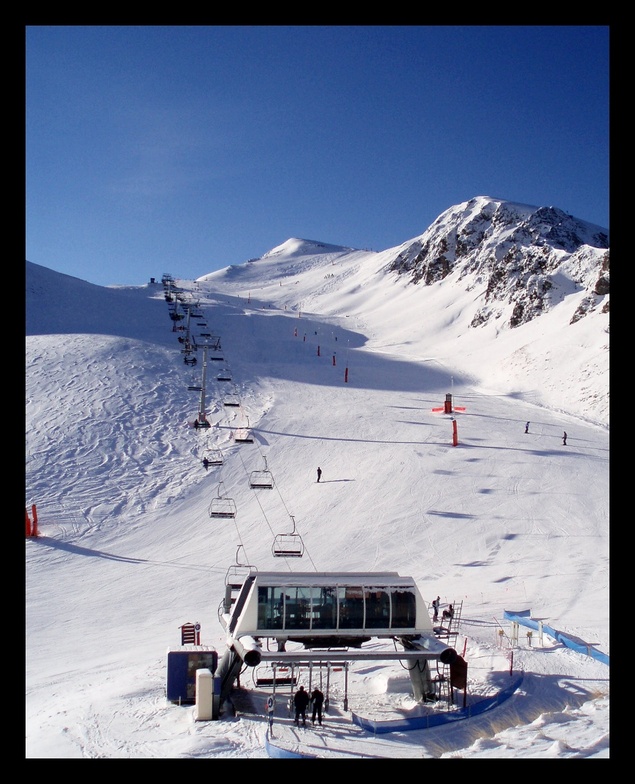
(286, 508)
(256, 494)
(243, 414)
(240, 545)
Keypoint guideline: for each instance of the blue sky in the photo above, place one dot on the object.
(184, 149)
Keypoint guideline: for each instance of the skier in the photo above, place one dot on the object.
(300, 701)
(564, 438)
(270, 706)
(319, 473)
(435, 607)
(527, 427)
(317, 700)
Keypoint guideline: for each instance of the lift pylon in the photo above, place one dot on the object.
(201, 419)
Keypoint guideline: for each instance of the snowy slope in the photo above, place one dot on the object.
(127, 551)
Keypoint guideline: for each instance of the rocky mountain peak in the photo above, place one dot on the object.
(525, 259)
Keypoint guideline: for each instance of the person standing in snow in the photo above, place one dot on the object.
(564, 438)
(300, 701)
(435, 608)
(270, 707)
(527, 427)
(319, 473)
(317, 700)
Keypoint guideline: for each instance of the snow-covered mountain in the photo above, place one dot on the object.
(522, 260)
(514, 517)
(534, 279)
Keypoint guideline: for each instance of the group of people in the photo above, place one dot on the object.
(564, 435)
(448, 613)
(301, 700)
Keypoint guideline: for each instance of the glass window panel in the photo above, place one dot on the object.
(263, 608)
(270, 607)
(298, 608)
(324, 608)
(377, 608)
(351, 607)
(404, 609)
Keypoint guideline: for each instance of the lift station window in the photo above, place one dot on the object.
(324, 609)
(377, 604)
(270, 608)
(341, 607)
(351, 607)
(404, 609)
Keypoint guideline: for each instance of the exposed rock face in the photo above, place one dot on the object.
(525, 259)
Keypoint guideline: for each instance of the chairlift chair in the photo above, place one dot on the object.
(288, 545)
(214, 457)
(234, 579)
(242, 435)
(238, 571)
(261, 479)
(212, 341)
(222, 507)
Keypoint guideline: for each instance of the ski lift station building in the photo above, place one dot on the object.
(332, 615)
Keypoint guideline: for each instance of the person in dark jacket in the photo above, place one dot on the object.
(564, 438)
(317, 700)
(300, 701)
(319, 473)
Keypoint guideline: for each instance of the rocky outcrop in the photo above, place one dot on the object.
(524, 259)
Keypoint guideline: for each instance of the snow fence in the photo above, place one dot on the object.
(523, 617)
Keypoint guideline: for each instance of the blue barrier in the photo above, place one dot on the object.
(523, 618)
(438, 719)
(277, 752)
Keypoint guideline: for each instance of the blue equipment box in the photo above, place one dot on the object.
(182, 666)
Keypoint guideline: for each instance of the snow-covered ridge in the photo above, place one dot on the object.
(299, 247)
(523, 260)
